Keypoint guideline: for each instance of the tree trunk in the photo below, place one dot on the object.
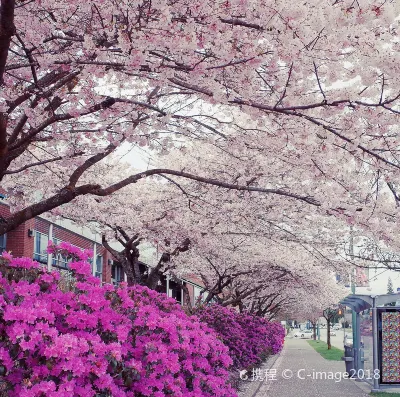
(155, 273)
(136, 270)
(153, 279)
(128, 270)
(7, 30)
(122, 259)
(328, 341)
(210, 297)
(186, 299)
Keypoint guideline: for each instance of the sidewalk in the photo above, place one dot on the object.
(299, 360)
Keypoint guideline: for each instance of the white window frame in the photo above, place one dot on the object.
(43, 256)
(58, 260)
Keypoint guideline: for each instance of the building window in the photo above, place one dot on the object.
(99, 267)
(40, 247)
(198, 297)
(3, 242)
(175, 291)
(117, 274)
(58, 259)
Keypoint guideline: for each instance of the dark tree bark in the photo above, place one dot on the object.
(7, 31)
(329, 313)
(186, 298)
(159, 270)
(314, 327)
(128, 257)
(155, 273)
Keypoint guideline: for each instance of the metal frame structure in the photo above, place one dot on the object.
(359, 303)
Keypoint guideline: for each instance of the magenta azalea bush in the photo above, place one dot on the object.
(250, 339)
(93, 340)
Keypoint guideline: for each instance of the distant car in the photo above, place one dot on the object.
(348, 340)
(333, 333)
(307, 333)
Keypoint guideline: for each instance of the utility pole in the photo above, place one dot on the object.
(353, 291)
(353, 284)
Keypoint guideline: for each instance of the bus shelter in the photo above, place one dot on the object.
(376, 339)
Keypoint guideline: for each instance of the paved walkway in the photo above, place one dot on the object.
(299, 360)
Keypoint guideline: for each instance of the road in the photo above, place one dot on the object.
(336, 341)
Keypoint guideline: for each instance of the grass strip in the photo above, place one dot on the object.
(333, 354)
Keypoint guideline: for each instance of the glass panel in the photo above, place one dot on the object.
(366, 340)
(99, 266)
(59, 260)
(196, 295)
(3, 240)
(40, 247)
(117, 274)
(120, 274)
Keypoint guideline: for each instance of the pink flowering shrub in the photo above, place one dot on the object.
(98, 340)
(250, 339)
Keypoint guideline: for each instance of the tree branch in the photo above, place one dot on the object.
(134, 178)
(68, 193)
(73, 180)
(25, 167)
(7, 30)
(241, 22)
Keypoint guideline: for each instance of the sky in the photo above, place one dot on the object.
(134, 155)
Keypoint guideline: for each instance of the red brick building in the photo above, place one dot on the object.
(31, 238)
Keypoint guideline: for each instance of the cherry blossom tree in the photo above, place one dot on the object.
(243, 253)
(224, 250)
(299, 102)
(78, 80)
(313, 313)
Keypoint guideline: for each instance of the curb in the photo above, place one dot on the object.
(364, 386)
(254, 387)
